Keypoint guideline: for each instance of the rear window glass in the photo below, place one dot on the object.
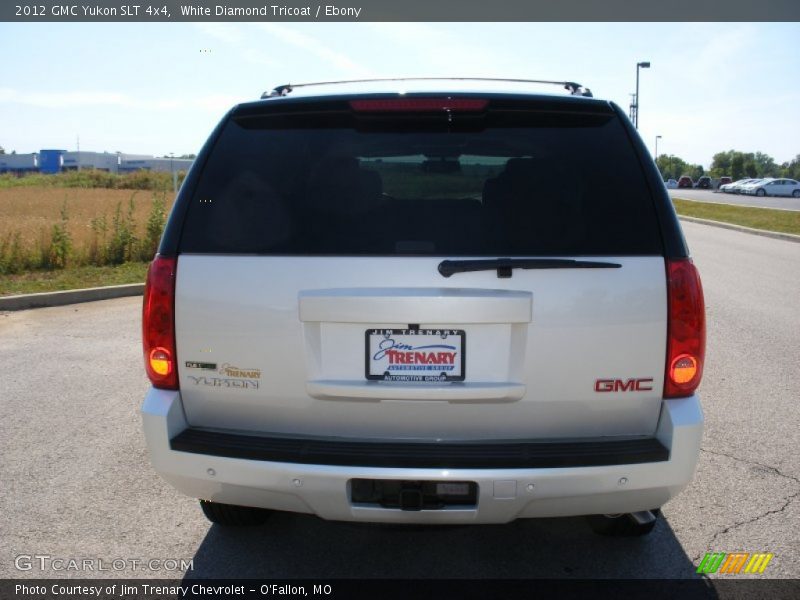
(553, 185)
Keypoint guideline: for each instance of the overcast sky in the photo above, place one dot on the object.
(160, 88)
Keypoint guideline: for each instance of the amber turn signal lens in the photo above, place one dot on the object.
(160, 361)
(683, 368)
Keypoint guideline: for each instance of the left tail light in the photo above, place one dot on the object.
(158, 323)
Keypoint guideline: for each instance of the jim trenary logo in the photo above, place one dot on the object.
(734, 562)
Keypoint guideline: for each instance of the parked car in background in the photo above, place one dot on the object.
(728, 188)
(685, 182)
(723, 181)
(703, 183)
(736, 186)
(773, 187)
(671, 184)
(753, 183)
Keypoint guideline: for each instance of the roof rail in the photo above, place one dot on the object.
(575, 89)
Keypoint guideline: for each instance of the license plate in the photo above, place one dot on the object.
(415, 355)
(452, 489)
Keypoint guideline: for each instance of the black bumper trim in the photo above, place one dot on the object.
(492, 454)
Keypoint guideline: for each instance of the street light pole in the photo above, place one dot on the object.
(639, 65)
(658, 137)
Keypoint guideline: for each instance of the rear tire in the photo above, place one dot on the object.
(230, 515)
(622, 525)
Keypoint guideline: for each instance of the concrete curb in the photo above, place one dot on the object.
(25, 301)
(770, 234)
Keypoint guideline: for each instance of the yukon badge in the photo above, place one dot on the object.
(618, 385)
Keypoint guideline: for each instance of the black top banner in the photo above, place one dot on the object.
(402, 10)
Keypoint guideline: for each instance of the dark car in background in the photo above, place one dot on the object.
(704, 183)
(685, 182)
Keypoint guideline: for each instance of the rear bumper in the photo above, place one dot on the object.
(504, 493)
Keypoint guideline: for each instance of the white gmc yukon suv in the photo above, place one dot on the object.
(417, 301)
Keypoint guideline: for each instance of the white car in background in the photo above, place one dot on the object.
(739, 188)
(773, 187)
(733, 188)
(672, 184)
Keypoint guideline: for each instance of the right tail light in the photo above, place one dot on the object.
(686, 329)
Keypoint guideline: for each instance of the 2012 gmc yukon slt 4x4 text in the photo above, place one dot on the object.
(425, 301)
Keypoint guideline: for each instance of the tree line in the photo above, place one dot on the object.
(732, 163)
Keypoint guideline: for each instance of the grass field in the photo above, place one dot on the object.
(79, 229)
(43, 228)
(106, 239)
(768, 219)
(32, 211)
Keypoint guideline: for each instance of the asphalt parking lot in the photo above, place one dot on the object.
(77, 481)
(782, 202)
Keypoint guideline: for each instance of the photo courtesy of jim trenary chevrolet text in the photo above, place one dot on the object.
(399, 299)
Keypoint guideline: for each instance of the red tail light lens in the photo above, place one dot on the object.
(158, 324)
(420, 105)
(686, 329)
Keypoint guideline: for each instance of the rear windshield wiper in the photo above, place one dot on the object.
(504, 266)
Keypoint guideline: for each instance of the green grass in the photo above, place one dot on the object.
(72, 278)
(158, 181)
(768, 219)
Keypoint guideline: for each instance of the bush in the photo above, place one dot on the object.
(54, 249)
(154, 228)
(60, 242)
(98, 249)
(121, 246)
(156, 181)
(13, 258)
